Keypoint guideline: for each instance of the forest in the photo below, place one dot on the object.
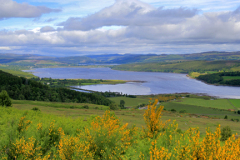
(20, 88)
(219, 78)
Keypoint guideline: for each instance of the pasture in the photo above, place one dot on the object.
(135, 117)
(213, 103)
(130, 102)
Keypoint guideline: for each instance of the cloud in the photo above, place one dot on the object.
(145, 29)
(47, 29)
(5, 48)
(12, 9)
(129, 13)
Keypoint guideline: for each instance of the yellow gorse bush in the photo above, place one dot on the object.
(105, 138)
(152, 117)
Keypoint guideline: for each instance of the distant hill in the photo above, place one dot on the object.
(44, 61)
(182, 67)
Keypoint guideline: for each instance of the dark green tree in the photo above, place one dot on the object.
(226, 132)
(122, 103)
(5, 99)
(113, 106)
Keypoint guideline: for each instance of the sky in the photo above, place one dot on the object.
(87, 27)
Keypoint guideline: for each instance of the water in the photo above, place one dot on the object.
(154, 82)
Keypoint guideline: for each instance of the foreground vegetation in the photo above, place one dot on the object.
(35, 135)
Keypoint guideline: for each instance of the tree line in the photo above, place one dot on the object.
(217, 78)
(20, 88)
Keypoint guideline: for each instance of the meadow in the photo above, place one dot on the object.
(29, 134)
(195, 116)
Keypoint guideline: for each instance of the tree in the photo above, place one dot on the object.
(226, 132)
(113, 106)
(122, 103)
(5, 99)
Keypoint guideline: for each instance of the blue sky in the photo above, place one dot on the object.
(70, 27)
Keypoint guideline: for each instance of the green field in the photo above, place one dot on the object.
(19, 73)
(57, 104)
(214, 103)
(130, 102)
(231, 77)
(135, 117)
(201, 111)
(235, 102)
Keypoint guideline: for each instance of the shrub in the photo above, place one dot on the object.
(173, 110)
(36, 109)
(5, 99)
(86, 107)
(113, 106)
(122, 103)
(226, 117)
(183, 111)
(225, 133)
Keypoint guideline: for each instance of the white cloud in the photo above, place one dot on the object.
(129, 13)
(5, 48)
(10, 9)
(145, 29)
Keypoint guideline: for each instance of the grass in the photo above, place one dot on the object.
(231, 77)
(201, 111)
(216, 103)
(130, 102)
(19, 73)
(194, 74)
(131, 116)
(235, 102)
(57, 104)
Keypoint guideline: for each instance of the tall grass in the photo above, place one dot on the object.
(34, 135)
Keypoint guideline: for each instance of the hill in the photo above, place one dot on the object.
(180, 67)
(20, 88)
(45, 61)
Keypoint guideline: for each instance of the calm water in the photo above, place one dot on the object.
(155, 83)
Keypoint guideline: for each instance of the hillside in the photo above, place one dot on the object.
(45, 61)
(20, 88)
(180, 67)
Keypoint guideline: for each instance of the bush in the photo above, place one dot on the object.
(113, 106)
(5, 99)
(36, 109)
(86, 107)
(173, 110)
(225, 133)
(226, 117)
(122, 103)
(183, 111)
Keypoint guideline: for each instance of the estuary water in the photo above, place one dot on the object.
(152, 82)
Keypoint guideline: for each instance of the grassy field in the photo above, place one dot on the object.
(235, 102)
(130, 102)
(201, 111)
(231, 77)
(56, 104)
(214, 103)
(131, 116)
(19, 73)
